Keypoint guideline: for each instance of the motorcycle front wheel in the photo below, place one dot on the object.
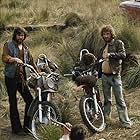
(49, 110)
(92, 119)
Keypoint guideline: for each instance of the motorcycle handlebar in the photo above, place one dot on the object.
(36, 73)
(32, 69)
(68, 75)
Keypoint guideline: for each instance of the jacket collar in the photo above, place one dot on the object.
(24, 46)
(111, 42)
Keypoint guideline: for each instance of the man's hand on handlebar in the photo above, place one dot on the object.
(18, 61)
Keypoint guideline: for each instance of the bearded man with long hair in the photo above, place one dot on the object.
(15, 53)
(113, 53)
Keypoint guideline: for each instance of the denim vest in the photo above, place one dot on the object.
(10, 68)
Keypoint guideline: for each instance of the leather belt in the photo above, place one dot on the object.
(109, 74)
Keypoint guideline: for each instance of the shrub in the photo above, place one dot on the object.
(132, 78)
(49, 132)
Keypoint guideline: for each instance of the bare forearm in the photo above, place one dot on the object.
(9, 59)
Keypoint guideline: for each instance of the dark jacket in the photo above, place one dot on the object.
(117, 54)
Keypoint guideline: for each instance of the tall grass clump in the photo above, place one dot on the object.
(132, 79)
(49, 132)
(130, 37)
(3, 91)
(67, 56)
(5, 17)
(68, 101)
(14, 4)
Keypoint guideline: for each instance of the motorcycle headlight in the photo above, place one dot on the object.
(51, 83)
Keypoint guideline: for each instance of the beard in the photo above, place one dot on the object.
(19, 41)
(107, 39)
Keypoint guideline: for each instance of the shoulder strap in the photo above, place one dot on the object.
(26, 56)
(13, 49)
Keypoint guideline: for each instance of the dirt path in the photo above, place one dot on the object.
(5, 129)
(113, 132)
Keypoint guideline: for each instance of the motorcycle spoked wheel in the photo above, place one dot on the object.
(94, 121)
(49, 109)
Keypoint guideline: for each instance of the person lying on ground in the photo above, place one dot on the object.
(78, 132)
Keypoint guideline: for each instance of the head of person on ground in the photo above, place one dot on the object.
(78, 132)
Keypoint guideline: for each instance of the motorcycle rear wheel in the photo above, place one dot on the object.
(94, 121)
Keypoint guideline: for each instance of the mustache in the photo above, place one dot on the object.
(19, 41)
(107, 39)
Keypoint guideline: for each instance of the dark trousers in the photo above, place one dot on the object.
(13, 85)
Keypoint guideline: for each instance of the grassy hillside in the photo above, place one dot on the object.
(62, 45)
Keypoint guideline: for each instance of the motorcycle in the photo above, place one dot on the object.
(42, 108)
(90, 105)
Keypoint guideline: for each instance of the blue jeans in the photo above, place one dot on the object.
(109, 83)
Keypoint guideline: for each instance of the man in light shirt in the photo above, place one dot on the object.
(112, 53)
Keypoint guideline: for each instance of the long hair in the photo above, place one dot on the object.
(108, 28)
(78, 132)
(19, 30)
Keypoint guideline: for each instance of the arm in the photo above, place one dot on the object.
(66, 132)
(120, 54)
(7, 58)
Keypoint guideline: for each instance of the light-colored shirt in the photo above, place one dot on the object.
(105, 65)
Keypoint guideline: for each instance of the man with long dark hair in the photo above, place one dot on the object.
(15, 52)
(113, 52)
